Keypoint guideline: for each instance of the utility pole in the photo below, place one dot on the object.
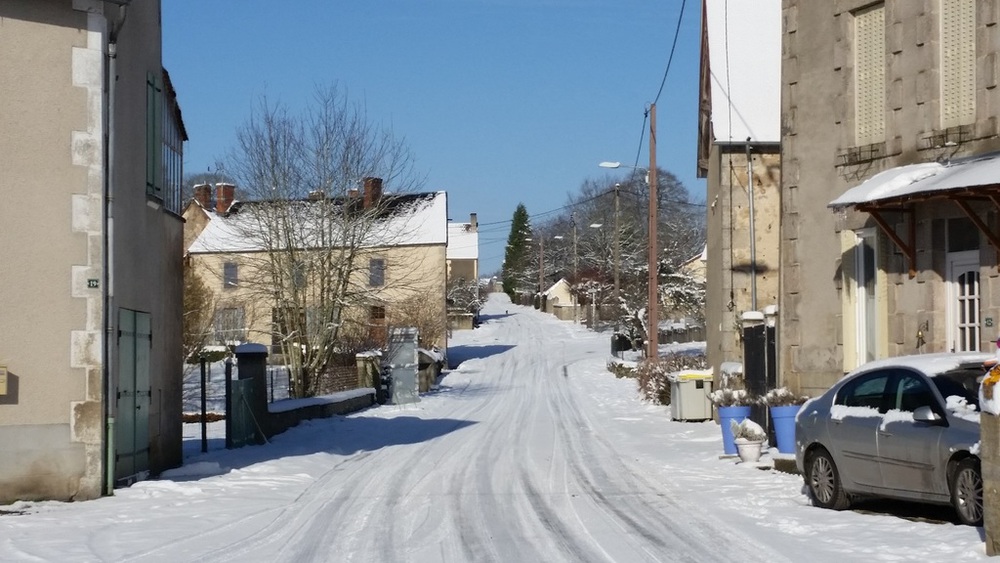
(653, 313)
(576, 274)
(541, 265)
(617, 257)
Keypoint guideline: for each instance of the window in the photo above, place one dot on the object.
(964, 302)
(377, 331)
(230, 275)
(869, 75)
(288, 326)
(865, 391)
(299, 275)
(958, 62)
(173, 156)
(230, 326)
(376, 272)
(165, 138)
(962, 382)
(912, 392)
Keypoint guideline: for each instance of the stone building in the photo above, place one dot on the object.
(889, 184)
(91, 148)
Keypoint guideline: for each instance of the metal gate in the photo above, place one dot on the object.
(403, 365)
(241, 429)
(135, 341)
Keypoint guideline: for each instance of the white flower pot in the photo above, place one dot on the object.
(748, 450)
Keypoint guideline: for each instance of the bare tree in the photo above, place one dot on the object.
(199, 308)
(315, 235)
(681, 236)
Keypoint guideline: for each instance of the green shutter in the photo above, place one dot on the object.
(154, 136)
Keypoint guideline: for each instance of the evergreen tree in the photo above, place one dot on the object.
(517, 272)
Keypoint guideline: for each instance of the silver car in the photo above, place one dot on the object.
(904, 428)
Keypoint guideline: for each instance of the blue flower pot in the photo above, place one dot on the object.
(726, 415)
(783, 422)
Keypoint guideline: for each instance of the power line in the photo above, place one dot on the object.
(673, 47)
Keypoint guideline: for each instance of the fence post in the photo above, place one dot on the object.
(204, 402)
(229, 403)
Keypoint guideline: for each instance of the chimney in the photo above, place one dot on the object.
(474, 221)
(224, 197)
(317, 195)
(203, 195)
(352, 193)
(373, 191)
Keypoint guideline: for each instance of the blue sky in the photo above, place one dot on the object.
(501, 101)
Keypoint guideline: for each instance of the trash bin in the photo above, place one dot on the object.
(689, 392)
(619, 343)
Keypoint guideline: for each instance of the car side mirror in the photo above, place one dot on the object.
(925, 414)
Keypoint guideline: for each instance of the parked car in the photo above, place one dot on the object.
(904, 428)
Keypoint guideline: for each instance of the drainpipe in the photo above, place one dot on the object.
(753, 235)
(107, 248)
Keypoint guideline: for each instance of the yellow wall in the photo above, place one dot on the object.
(411, 271)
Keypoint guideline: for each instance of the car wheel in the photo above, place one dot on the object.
(967, 491)
(823, 481)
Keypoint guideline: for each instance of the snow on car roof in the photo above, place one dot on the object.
(930, 364)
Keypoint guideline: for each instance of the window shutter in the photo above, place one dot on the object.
(869, 75)
(958, 62)
(154, 136)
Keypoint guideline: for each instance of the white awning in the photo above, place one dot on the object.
(924, 179)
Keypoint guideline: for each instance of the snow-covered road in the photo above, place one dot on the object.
(529, 451)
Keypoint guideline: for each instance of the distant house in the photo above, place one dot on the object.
(463, 250)
(695, 267)
(463, 274)
(558, 300)
(399, 264)
(90, 344)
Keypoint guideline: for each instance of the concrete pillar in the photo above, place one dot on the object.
(989, 452)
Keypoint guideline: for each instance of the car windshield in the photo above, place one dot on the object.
(962, 382)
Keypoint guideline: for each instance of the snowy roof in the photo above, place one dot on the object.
(744, 49)
(923, 178)
(463, 241)
(562, 281)
(406, 220)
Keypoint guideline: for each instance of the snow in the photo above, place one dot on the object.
(419, 222)
(960, 407)
(924, 177)
(895, 415)
(463, 242)
(292, 404)
(840, 412)
(530, 451)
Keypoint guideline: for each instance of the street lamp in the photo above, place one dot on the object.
(652, 313)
